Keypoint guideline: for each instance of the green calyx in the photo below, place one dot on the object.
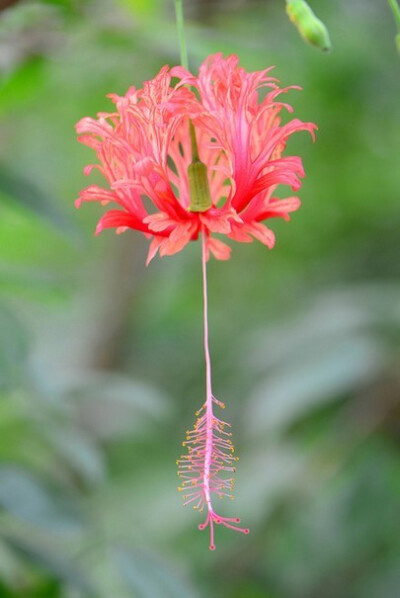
(200, 197)
(310, 27)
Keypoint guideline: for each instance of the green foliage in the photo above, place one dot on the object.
(13, 349)
(25, 194)
(304, 338)
(148, 578)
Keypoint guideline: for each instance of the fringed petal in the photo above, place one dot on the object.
(220, 250)
(177, 240)
(118, 218)
(95, 193)
(262, 233)
(279, 208)
(159, 222)
(244, 233)
(154, 247)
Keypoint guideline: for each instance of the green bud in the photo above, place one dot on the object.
(200, 198)
(311, 29)
(398, 43)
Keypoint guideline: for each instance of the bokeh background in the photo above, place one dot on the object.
(101, 360)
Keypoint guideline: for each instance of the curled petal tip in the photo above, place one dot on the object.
(121, 229)
(88, 169)
(312, 128)
(78, 203)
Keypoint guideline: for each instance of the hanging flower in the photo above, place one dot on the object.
(197, 156)
(145, 149)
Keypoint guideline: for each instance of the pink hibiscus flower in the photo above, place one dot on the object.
(145, 149)
(202, 155)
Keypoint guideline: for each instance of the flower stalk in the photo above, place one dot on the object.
(396, 13)
(181, 33)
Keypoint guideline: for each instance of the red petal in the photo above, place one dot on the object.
(117, 218)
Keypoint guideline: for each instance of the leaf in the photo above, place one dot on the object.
(145, 8)
(23, 84)
(314, 378)
(70, 6)
(9, 566)
(14, 344)
(25, 193)
(80, 451)
(24, 497)
(6, 592)
(148, 577)
(112, 404)
(57, 565)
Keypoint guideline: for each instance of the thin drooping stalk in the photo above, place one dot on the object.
(210, 457)
(396, 12)
(181, 33)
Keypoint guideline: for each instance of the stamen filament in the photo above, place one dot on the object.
(210, 452)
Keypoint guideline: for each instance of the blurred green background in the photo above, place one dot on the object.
(101, 361)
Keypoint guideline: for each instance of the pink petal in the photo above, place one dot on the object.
(118, 218)
(220, 250)
(262, 233)
(154, 247)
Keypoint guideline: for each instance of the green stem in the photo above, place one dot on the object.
(396, 12)
(181, 34)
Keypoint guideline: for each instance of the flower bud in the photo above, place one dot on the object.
(311, 29)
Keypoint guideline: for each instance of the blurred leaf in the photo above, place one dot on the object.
(6, 592)
(113, 404)
(48, 589)
(24, 497)
(315, 377)
(79, 450)
(71, 6)
(9, 567)
(13, 349)
(23, 84)
(341, 341)
(148, 577)
(58, 566)
(146, 8)
(26, 194)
